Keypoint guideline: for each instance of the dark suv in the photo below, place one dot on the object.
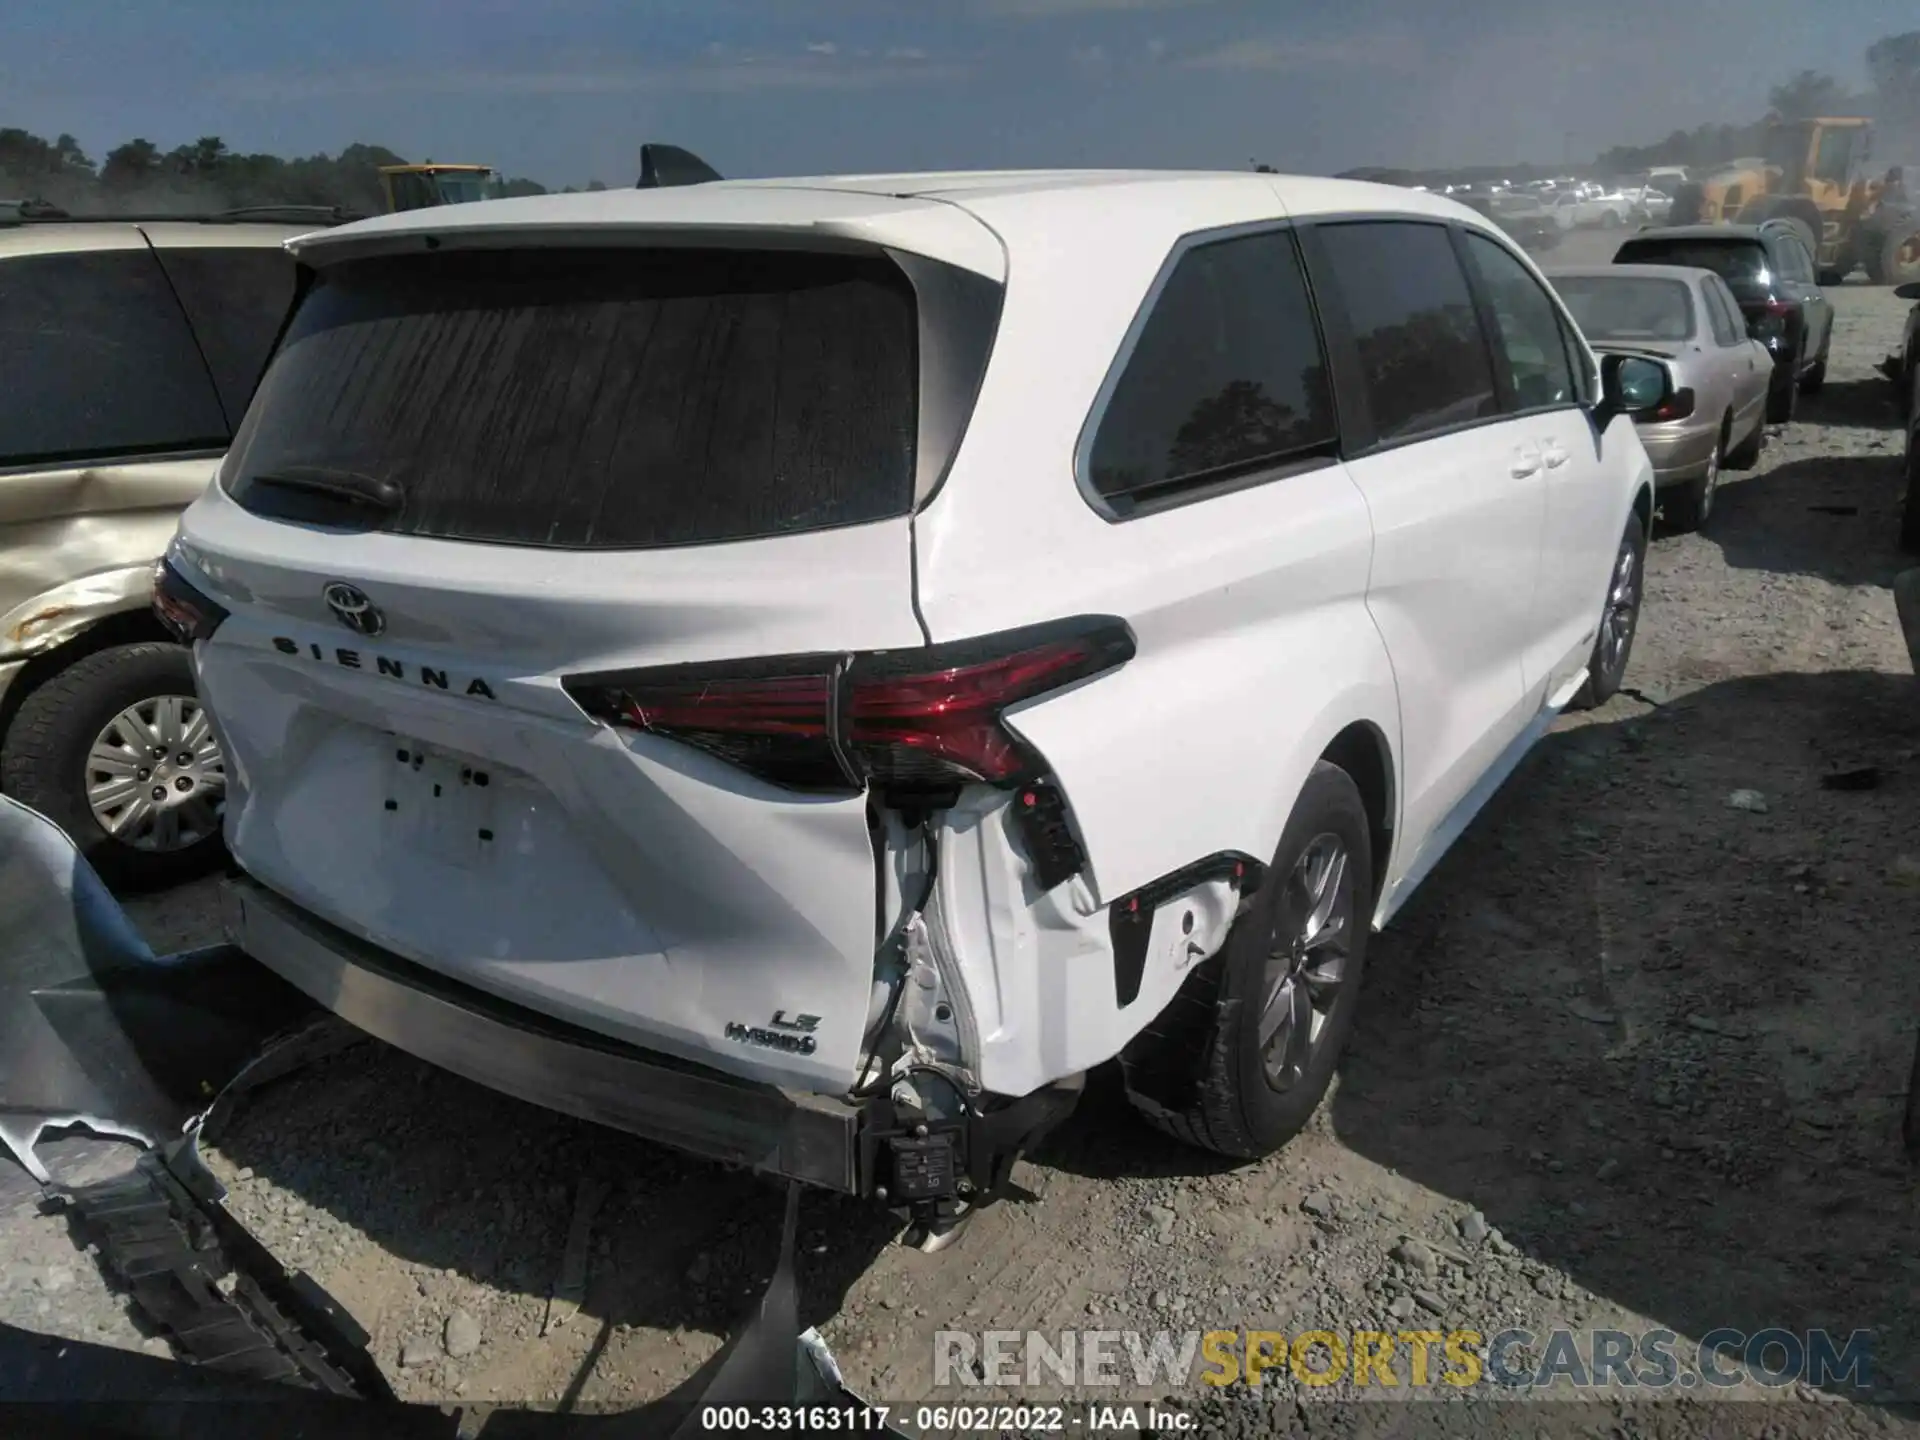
(1770, 270)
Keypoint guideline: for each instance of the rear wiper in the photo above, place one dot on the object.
(373, 491)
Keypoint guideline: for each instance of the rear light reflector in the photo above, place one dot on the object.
(928, 718)
(184, 611)
(1677, 408)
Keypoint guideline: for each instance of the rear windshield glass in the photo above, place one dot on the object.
(600, 399)
(1741, 263)
(1608, 307)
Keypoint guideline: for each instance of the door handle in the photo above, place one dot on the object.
(1556, 457)
(1525, 462)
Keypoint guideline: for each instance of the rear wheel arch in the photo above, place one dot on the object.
(1362, 751)
(125, 627)
(1643, 507)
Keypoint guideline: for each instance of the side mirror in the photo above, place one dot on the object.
(1908, 291)
(1633, 386)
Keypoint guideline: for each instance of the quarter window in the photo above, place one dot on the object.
(1423, 358)
(237, 298)
(1227, 377)
(1722, 312)
(1530, 342)
(96, 360)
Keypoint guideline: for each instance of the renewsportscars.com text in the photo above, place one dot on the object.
(1408, 1360)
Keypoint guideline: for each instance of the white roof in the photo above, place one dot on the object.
(969, 218)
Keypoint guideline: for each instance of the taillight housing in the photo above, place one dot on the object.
(925, 719)
(1678, 407)
(1772, 322)
(187, 614)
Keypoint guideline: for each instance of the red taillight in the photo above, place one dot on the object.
(184, 611)
(928, 718)
(1678, 407)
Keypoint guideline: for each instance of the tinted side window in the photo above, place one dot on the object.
(96, 360)
(1792, 259)
(1734, 313)
(1227, 375)
(1423, 358)
(237, 297)
(1720, 313)
(1530, 343)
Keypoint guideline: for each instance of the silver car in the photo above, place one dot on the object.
(129, 349)
(1689, 318)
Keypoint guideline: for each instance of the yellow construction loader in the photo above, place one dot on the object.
(1815, 172)
(415, 187)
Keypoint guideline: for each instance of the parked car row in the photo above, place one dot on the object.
(1738, 314)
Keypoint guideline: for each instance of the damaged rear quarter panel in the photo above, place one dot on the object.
(78, 544)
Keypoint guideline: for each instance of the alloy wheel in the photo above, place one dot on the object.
(1307, 959)
(1623, 608)
(156, 780)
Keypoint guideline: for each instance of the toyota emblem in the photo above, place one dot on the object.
(352, 608)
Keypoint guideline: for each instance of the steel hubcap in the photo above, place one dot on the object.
(1307, 959)
(1623, 604)
(155, 777)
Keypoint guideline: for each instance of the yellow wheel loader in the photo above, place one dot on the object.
(1815, 173)
(415, 187)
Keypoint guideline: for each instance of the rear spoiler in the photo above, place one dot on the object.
(670, 165)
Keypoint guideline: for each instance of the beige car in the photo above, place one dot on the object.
(1691, 320)
(128, 352)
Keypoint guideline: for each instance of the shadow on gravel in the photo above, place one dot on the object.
(1663, 1043)
(1871, 404)
(1836, 517)
(444, 1173)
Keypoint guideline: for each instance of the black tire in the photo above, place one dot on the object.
(44, 756)
(1910, 515)
(1746, 454)
(1687, 508)
(1831, 278)
(1783, 395)
(1198, 1073)
(1689, 202)
(1815, 377)
(1605, 671)
(1893, 269)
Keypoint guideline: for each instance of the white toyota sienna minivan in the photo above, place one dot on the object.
(805, 669)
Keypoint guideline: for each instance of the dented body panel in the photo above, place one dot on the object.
(78, 544)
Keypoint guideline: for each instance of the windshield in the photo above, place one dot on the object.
(1741, 263)
(460, 189)
(1628, 308)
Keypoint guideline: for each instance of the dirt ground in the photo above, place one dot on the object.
(1632, 1058)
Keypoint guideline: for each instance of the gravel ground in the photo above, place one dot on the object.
(1632, 1059)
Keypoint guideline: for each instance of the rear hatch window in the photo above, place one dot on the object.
(1623, 308)
(1741, 263)
(594, 399)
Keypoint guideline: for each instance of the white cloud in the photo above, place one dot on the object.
(823, 47)
(1043, 9)
(1090, 59)
(1156, 49)
(718, 71)
(1389, 51)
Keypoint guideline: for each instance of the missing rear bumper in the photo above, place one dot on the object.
(862, 1149)
(810, 1138)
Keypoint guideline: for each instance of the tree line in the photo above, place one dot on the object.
(205, 175)
(1890, 98)
(139, 175)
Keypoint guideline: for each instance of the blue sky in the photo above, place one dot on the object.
(566, 90)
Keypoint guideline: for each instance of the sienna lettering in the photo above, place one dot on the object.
(387, 666)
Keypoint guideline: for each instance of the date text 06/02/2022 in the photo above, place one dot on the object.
(961, 1419)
